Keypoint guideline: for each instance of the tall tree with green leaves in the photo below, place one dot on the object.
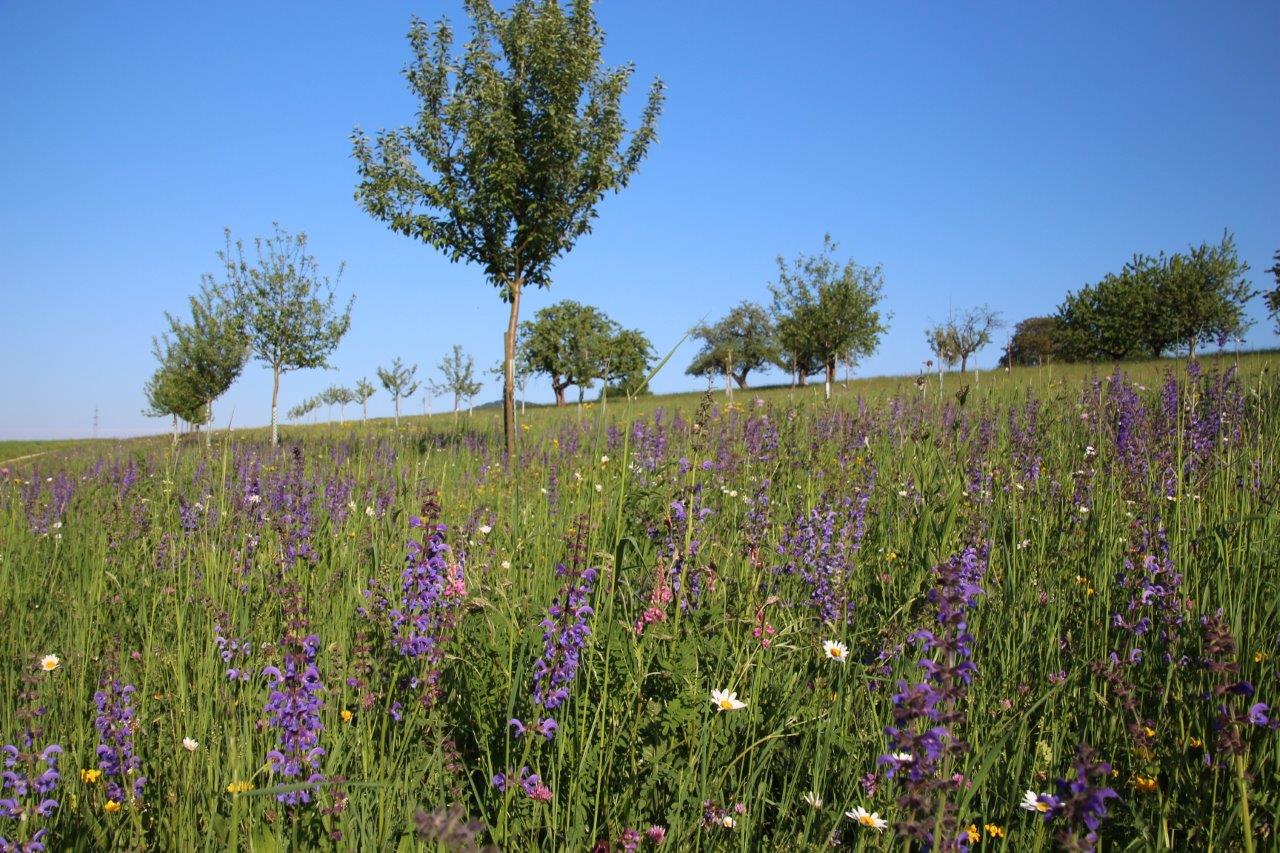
(626, 361)
(827, 311)
(287, 307)
(519, 136)
(740, 342)
(1202, 294)
(459, 371)
(1034, 342)
(210, 349)
(361, 393)
(567, 343)
(170, 392)
(399, 382)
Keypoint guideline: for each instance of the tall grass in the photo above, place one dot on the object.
(730, 541)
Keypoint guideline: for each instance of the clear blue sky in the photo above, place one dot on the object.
(982, 152)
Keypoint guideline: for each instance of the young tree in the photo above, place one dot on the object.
(286, 306)
(210, 350)
(399, 382)
(169, 392)
(337, 395)
(740, 342)
(962, 335)
(361, 394)
(459, 370)
(518, 138)
(827, 311)
(567, 342)
(304, 408)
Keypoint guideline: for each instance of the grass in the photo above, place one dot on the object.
(739, 537)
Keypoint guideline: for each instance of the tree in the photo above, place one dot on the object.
(740, 342)
(459, 370)
(626, 362)
(210, 350)
(1111, 320)
(1034, 342)
(962, 335)
(169, 391)
(286, 306)
(337, 395)
(1273, 296)
(567, 342)
(1202, 294)
(399, 382)
(518, 138)
(827, 312)
(361, 394)
(304, 408)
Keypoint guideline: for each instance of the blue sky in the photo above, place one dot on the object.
(997, 152)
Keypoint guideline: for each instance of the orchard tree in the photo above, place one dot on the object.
(337, 395)
(518, 138)
(962, 335)
(286, 305)
(1034, 342)
(399, 382)
(209, 350)
(827, 311)
(361, 393)
(304, 408)
(169, 391)
(625, 365)
(1202, 294)
(1109, 321)
(1273, 296)
(459, 371)
(567, 342)
(740, 342)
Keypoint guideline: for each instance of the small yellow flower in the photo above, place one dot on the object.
(1090, 591)
(972, 832)
(1144, 784)
(993, 830)
(50, 662)
(89, 777)
(111, 806)
(1259, 657)
(1148, 731)
(1195, 742)
(347, 716)
(239, 788)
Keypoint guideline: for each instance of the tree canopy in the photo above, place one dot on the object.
(826, 311)
(738, 343)
(459, 372)
(962, 334)
(399, 382)
(518, 137)
(1034, 342)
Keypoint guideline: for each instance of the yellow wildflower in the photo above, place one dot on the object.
(239, 788)
(1144, 784)
(1148, 731)
(1259, 657)
(994, 830)
(111, 806)
(1195, 742)
(972, 832)
(347, 715)
(90, 776)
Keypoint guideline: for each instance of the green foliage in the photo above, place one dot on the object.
(519, 135)
(1273, 295)
(304, 408)
(286, 306)
(399, 382)
(740, 342)
(961, 335)
(362, 392)
(575, 344)
(1034, 342)
(826, 312)
(459, 371)
(1156, 304)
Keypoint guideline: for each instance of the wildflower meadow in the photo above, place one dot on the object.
(1039, 613)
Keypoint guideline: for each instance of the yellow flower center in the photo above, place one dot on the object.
(867, 820)
(835, 653)
(726, 705)
(1041, 806)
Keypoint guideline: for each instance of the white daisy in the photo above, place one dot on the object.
(813, 799)
(871, 820)
(835, 650)
(726, 700)
(50, 662)
(190, 744)
(1031, 802)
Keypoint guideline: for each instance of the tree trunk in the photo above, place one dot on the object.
(1191, 349)
(364, 411)
(275, 398)
(208, 432)
(509, 369)
(396, 401)
(831, 377)
(741, 379)
(175, 430)
(964, 361)
(559, 392)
